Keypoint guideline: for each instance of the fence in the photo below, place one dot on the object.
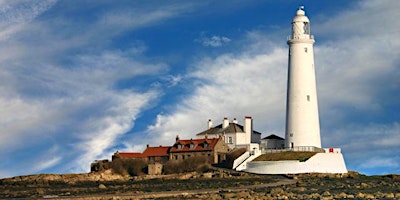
(298, 148)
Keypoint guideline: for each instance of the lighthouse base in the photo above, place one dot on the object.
(330, 162)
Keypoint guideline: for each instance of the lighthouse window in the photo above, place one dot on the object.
(306, 28)
(308, 97)
(305, 49)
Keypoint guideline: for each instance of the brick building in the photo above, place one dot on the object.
(213, 148)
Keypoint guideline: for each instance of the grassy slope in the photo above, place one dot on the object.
(289, 155)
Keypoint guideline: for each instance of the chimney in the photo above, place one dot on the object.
(234, 121)
(209, 124)
(177, 138)
(248, 128)
(147, 145)
(225, 122)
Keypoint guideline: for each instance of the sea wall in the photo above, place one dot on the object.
(319, 163)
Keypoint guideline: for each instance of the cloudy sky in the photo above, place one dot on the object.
(80, 80)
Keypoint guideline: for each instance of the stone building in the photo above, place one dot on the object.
(215, 149)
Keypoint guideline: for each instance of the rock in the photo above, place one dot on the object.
(215, 197)
(243, 194)
(276, 191)
(369, 196)
(341, 195)
(102, 186)
(40, 191)
(315, 196)
(360, 195)
(207, 175)
(364, 185)
(228, 195)
(389, 195)
(326, 193)
(301, 189)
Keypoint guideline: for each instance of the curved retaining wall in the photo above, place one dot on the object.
(319, 163)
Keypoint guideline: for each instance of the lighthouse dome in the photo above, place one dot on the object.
(301, 15)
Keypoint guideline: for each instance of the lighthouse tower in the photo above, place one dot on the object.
(302, 121)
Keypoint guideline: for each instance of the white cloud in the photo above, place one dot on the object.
(79, 105)
(228, 86)
(13, 14)
(214, 41)
(380, 162)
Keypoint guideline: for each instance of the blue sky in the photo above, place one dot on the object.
(80, 80)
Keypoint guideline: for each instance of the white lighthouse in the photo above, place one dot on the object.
(302, 120)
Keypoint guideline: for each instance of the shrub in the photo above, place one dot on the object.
(132, 167)
(197, 163)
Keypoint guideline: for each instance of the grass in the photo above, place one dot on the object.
(288, 155)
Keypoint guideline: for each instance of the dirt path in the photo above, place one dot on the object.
(167, 194)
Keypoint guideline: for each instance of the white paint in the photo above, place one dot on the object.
(302, 120)
(319, 163)
(225, 122)
(253, 152)
(240, 159)
(234, 121)
(248, 129)
(209, 124)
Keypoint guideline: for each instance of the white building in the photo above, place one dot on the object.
(272, 142)
(234, 134)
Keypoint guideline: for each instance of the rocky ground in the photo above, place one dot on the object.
(216, 184)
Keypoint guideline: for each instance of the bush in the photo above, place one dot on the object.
(192, 164)
(132, 167)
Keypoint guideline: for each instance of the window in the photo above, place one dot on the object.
(176, 157)
(191, 145)
(305, 49)
(306, 28)
(180, 146)
(183, 157)
(205, 145)
(308, 97)
(230, 140)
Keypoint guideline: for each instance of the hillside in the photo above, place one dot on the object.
(216, 184)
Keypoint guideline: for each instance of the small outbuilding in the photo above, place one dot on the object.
(272, 142)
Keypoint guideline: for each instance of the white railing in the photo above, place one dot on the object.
(298, 148)
(290, 37)
(243, 165)
(240, 159)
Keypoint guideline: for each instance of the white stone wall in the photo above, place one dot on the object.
(319, 163)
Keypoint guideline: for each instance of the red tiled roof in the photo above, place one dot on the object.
(130, 154)
(198, 145)
(156, 151)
